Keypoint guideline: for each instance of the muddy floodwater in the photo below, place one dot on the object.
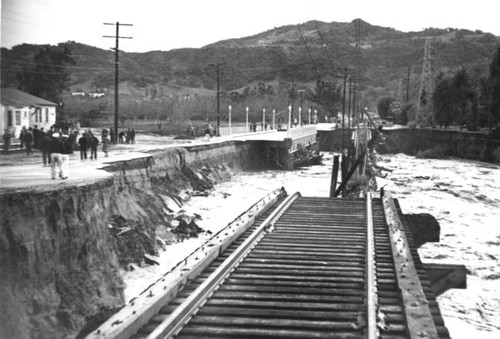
(465, 198)
(463, 195)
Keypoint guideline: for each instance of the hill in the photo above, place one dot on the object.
(289, 54)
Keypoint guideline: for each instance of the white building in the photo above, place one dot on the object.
(20, 109)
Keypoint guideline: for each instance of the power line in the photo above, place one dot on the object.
(324, 45)
(308, 51)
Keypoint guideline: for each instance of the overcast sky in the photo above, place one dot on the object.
(171, 24)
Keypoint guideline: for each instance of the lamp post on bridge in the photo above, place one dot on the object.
(289, 116)
(301, 92)
(263, 119)
(230, 132)
(247, 119)
(274, 119)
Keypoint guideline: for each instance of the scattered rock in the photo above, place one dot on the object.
(151, 260)
(131, 240)
(186, 230)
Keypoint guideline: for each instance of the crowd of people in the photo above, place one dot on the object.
(57, 144)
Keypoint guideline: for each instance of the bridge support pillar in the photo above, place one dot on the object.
(446, 276)
(288, 161)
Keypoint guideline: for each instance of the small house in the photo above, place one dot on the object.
(20, 109)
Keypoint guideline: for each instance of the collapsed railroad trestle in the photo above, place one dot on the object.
(296, 267)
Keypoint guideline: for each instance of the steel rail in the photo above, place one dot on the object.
(419, 319)
(182, 314)
(372, 298)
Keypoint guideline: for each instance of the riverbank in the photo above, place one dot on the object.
(61, 240)
(427, 143)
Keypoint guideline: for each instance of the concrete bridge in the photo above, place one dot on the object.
(277, 146)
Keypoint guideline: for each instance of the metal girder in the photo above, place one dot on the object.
(416, 306)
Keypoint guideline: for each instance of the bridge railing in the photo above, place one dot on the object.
(240, 129)
(299, 131)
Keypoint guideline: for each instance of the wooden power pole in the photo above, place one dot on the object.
(117, 37)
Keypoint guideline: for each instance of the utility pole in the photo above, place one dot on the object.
(217, 64)
(343, 106)
(344, 165)
(349, 114)
(117, 37)
(408, 84)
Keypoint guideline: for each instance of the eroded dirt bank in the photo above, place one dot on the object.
(59, 250)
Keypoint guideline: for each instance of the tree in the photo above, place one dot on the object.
(465, 96)
(455, 100)
(50, 74)
(443, 100)
(407, 114)
(328, 96)
(493, 86)
(161, 117)
(395, 110)
(383, 107)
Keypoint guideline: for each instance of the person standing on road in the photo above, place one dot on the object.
(21, 136)
(36, 136)
(105, 142)
(93, 142)
(84, 145)
(207, 134)
(132, 135)
(54, 148)
(28, 140)
(66, 145)
(44, 147)
(6, 140)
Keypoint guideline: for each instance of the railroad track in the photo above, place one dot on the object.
(309, 268)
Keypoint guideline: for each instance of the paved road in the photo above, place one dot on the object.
(20, 172)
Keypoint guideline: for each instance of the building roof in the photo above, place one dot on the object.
(17, 98)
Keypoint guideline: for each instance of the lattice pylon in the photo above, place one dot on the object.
(398, 94)
(425, 115)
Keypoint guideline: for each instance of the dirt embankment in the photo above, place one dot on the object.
(61, 250)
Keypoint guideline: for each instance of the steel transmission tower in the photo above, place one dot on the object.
(424, 102)
(398, 94)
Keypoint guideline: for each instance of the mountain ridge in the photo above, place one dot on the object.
(290, 54)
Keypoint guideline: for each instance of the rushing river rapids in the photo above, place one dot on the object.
(465, 198)
(463, 195)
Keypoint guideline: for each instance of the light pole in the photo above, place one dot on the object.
(301, 91)
(230, 120)
(247, 119)
(289, 116)
(263, 119)
(274, 119)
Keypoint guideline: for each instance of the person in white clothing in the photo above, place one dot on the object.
(56, 165)
(59, 157)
